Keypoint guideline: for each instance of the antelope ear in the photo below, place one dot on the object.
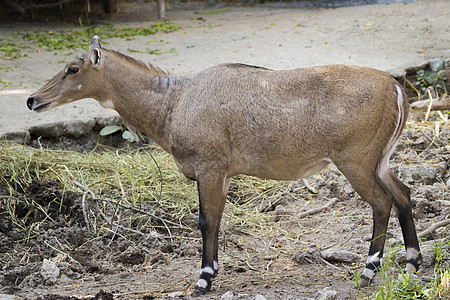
(96, 57)
(94, 48)
(95, 43)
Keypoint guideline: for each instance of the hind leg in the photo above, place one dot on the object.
(376, 250)
(402, 203)
(369, 186)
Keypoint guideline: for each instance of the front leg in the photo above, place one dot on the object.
(212, 189)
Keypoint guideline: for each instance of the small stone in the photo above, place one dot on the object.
(327, 294)
(227, 296)
(131, 256)
(436, 64)
(175, 295)
(259, 297)
(49, 271)
(339, 255)
(6, 297)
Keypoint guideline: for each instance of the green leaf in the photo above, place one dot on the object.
(126, 135)
(110, 129)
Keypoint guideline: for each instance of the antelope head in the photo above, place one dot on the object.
(79, 79)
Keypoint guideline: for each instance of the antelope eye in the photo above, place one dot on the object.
(73, 70)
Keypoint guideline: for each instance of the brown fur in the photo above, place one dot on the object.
(236, 119)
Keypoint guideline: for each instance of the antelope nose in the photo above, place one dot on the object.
(30, 102)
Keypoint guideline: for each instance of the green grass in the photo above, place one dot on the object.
(393, 283)
(70, 39)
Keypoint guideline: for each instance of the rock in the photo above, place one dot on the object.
(106, 121)
(75, 128)
(327, 294)
(419, 173)
(400, 70)
(227, 296)
(339, 255)
(48, 130)
(131, 256)
(6, 297)
(155, 256)
(79, 127)
(305, 257)
(49, 272)
(21, 137)
(436, 64)
(423, 208)
(259, 297)
(63, 279)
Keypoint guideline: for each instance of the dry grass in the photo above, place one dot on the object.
(133, 178)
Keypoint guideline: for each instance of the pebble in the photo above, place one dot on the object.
(436, 64)
(327, 294)
(50, 271)
(227, 296)
(339, 255)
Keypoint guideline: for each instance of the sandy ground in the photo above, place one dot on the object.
(387, 37)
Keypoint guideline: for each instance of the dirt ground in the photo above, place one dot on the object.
(130, 266)
(61, 259)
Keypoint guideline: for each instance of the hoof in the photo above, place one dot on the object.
(199, 291)
(364, 282)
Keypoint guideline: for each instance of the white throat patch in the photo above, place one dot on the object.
(107, 104)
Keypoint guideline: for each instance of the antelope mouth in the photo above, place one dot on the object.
(34, 104)
(41, 107)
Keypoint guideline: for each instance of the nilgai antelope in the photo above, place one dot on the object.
(234, 119)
